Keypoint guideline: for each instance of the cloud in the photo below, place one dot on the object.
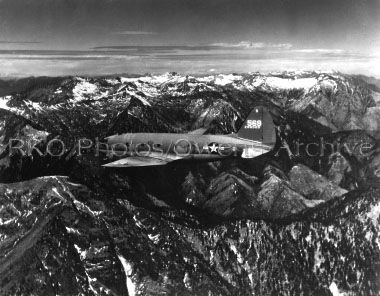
(18, 42)
(23, 63)
(321, 50)
(155, 48)
(331, 52)
(254, 45)
(126, 33)
(207, 47)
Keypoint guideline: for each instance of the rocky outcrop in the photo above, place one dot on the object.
(338, 168)
(232, 195)
(277, 198)
(313, 185)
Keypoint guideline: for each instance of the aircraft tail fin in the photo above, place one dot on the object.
(259, 126)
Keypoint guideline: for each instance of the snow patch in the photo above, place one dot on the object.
(161, 78)
(374, 214)
(236, 252)
(156, 79)
(3, 103)
(6, 222)
(82, 253)
(83, 88)
(131, 287)
(318, 258)
(334, 290)
(187, 280)
(154, 238)
(283, 83)
(81, 206)
(72, 230)
(328, 84)
(226, 79)
(205, 79)
(138, 223)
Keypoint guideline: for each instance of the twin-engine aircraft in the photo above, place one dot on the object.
(256, 136)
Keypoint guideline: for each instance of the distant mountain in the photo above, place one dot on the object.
(298, 220)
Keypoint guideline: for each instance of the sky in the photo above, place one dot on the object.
(94, 37)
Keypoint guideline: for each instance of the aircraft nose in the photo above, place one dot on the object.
(108, 139)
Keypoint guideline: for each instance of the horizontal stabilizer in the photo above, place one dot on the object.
(136, 161)
(153, 159)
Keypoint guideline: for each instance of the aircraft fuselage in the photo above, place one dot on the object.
(185, 146)
(255, 137)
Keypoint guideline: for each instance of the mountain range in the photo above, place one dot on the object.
(302, 219)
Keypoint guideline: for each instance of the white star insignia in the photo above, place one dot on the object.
(214, 148)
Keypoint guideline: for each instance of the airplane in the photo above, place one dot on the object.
(255, 137)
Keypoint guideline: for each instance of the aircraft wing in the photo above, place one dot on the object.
(153, 159)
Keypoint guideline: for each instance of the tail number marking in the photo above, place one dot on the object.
(253, 124)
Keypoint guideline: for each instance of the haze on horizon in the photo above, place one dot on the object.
(94, 37)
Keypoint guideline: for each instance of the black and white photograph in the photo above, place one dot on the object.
(189, 147)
